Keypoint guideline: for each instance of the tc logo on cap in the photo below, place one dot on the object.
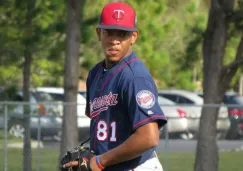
(118, 14)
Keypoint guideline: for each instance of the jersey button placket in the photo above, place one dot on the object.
(100, 83)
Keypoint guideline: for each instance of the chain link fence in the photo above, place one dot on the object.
(45, 124)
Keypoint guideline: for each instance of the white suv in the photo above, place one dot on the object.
(192, 104)
(83, 121)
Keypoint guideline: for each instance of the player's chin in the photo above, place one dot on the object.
(113, 58)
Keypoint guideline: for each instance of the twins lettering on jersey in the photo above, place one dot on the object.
(102, 103)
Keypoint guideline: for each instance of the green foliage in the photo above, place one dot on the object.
(170, 41)
(9, 74)
(42, 69)
(40, 38)
(9, 93)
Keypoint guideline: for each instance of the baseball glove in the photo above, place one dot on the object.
(80, 154)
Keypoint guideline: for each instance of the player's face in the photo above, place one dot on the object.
(116, 44)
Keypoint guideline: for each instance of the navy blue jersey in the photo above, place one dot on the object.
(119, 101)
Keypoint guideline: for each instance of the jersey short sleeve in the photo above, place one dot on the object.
(141, 99)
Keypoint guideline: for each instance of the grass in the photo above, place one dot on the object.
(229, 161)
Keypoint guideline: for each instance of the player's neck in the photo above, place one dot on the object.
(128, 53)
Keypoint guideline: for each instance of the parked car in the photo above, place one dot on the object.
(193, 104)
(234, 104)
(177, 119)
(83, 121)
(42, 116)
(235, 111)
(82, 92)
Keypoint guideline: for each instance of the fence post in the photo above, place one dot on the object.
(5, 137)
(38, 141)
(166, 147)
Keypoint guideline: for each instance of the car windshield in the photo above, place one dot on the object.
(83, 93)
(237, 100)
(162, 100)
(43, 97)
(57, 97)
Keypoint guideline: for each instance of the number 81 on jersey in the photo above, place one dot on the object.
(103, 131)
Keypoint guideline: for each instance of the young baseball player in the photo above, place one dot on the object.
(122, 99)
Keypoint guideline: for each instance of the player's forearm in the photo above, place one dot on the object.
(133, 147)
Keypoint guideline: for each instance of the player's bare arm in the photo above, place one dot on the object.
(143, 139)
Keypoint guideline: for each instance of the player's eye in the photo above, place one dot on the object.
(105, 33)
(121, 34)
(124, 33)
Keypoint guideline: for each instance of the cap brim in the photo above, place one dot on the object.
(116, 27)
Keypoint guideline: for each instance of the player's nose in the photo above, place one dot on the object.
(114, 40)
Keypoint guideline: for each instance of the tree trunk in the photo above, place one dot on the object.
(27, 157)
(70, 130)
(26, 85)
(214, 45)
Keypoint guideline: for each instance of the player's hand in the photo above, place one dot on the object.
(77, 158)
(70, 164)
(93, 165)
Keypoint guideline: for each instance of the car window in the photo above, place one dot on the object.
(83, 93)
(57, 97)
(200, 94)
(236, 100)
(43, 97)
(19, 108)
(163, 100)
(228, 99)
(170, 96)
(183, 100)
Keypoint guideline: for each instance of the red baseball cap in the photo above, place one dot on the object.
(119, 16)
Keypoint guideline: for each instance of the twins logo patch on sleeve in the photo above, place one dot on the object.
(145, 99)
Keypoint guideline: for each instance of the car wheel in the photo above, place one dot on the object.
(221, 135)
(187, 136)
(232, 134)
(17, 130)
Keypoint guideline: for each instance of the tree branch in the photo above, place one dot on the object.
(234, 64)
(48, 44)
(9, 50)
(238, 58)
(228, 71)
(91, 21)
(235, 16)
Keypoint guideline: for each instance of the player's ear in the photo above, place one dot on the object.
(98, 31)
(135, 35)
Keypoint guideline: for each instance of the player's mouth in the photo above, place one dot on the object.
(112, 51)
